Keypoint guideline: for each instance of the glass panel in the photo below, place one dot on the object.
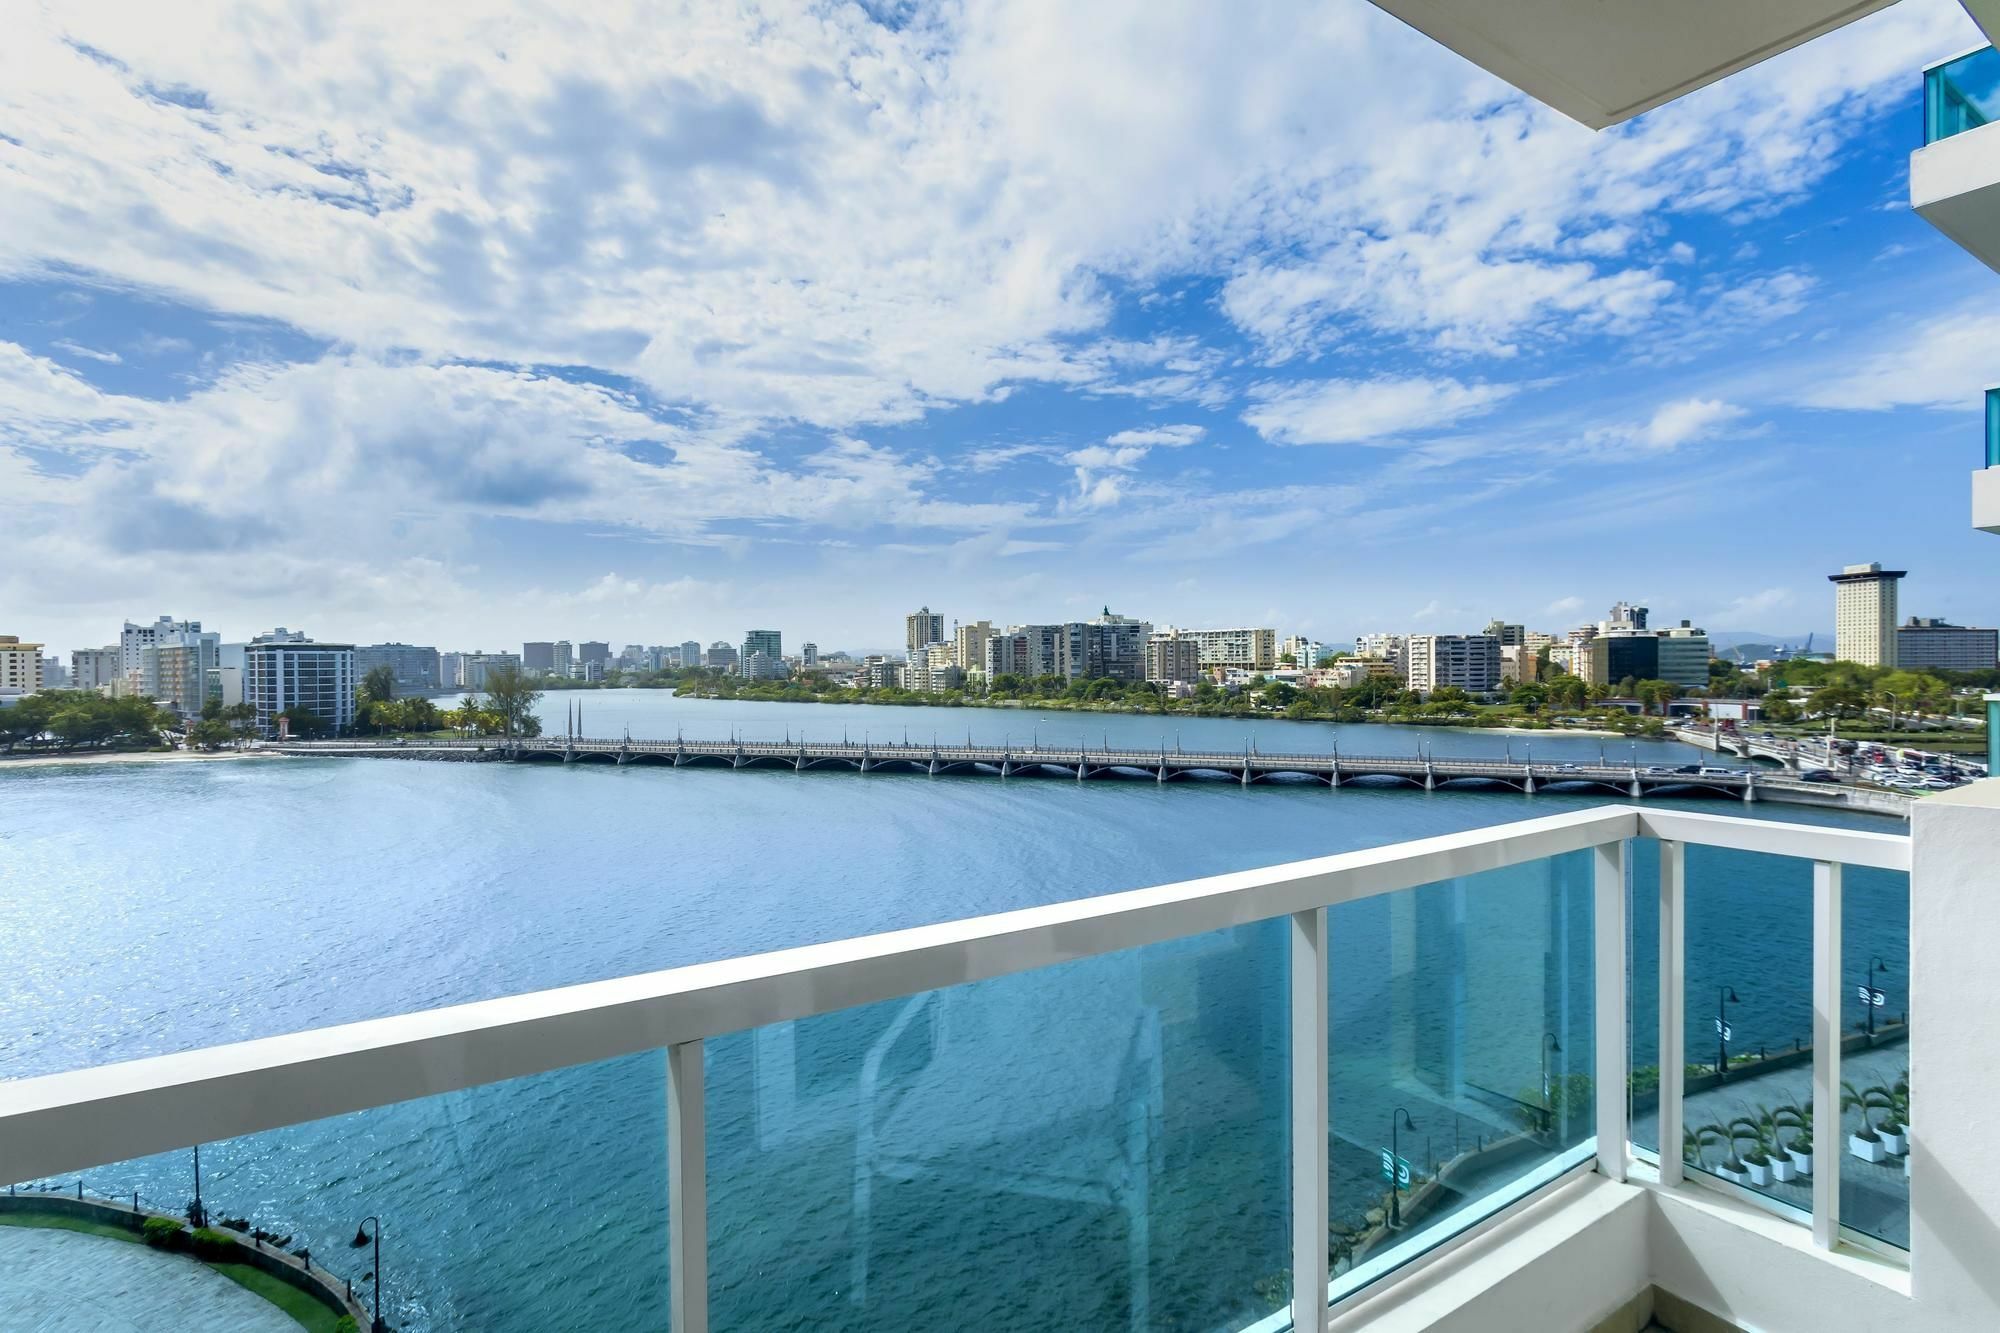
(1993, 427)
(1461, 1054)
(1961, 94)
(532, 1204)
(1642, 991)
(1875, 1054)
(1748, 975)
(1096, 1145)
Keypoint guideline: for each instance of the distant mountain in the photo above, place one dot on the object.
(1720, 639)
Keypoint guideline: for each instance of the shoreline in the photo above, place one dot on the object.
(91, 757)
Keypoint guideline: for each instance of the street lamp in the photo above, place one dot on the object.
(361, 1240)
(1894, 703)
(1549, 1045)
(1875, 964)
(1400, 1118)
(1724, 996)
(197, 1215)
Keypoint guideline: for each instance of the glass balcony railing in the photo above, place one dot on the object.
(1993, 427)
(1205, 1106)
(1961, 94)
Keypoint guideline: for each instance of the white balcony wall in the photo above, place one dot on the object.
(1955, 185)
(1986, 496)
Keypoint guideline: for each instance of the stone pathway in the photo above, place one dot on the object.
(69, 1282)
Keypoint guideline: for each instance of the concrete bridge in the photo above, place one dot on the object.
(1083, 763)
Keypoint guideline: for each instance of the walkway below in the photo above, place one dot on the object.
(69, 1282)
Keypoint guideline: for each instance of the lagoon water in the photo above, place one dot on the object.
(1101, 1146)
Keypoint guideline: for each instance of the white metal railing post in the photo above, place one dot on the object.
(1826, 1054)
(1309, 1121)
(1673, 1006)
(1612, 1121)
(687, 1191)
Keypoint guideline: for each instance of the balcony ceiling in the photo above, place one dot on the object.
(1955, 186)
(1604, 61)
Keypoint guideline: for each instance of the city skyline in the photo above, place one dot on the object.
(1222, 374)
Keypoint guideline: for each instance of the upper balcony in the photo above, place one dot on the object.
(1491, 1080)
(1602, 62)
(1986, 481)
(1955, 176)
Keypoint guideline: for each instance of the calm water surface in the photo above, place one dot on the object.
(148, 909)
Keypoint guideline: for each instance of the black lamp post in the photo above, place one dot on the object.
(1400, 1118)
(361, 1240)
(1549, 1044)
(197, 1215)
(1724, 996)
(1875, 964)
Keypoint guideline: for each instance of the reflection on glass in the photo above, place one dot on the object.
(1746, 1107)
(1461, 1054)
(1642, 994)
(532, 1204)
(1875, 1059)
(1961, 94)
(1096, 1145)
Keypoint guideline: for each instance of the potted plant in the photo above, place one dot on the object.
(1731, 1167)
(1894, 1140)
(1797, 1151)
(1757, 1161)
(1865, 1143)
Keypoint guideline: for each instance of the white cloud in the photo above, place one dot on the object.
(87, 353)
(1563, 606)
(1167, 437)
(1675, 424)
(1359, 411)
(1941, 363)
(1741, 613)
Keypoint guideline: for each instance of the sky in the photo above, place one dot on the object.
(392, 323)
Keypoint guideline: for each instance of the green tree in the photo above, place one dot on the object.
(512, 696)
(1529, 697)
(304, 724)
(379, 685)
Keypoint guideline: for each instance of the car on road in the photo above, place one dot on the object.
(1817, 775)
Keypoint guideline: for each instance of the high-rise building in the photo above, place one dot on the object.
(478, 665)
(174, 669)
(1510, 636)
(415, 666)
(771, 644)
(592, 651)
(1029, 651)
(1105, 646)
(1469, 662)
(55, 676)
(537, 659)
(1391, 648)
(562, 659)
(690, 655)
(719, 657)
(1172, 658)
(1618, 655)
(135, 639)
(809, 655)
(293, 673)
(1624, 615)
(1683, 656)
(1305, 653)
(1864, 614)
(1239, 649)
(921, 629)
(968, 646)
(451, 670)
(97, 669)
(1938, 645)
(20, 667)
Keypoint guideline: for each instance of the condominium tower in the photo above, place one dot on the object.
(1864, 619)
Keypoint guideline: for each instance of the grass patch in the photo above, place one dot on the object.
(59, 1222)
(310, 1313)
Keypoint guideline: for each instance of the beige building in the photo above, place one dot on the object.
(1247, 649)
(20, 667)
(968, 647)
(1172, 657)
(1864, 614)
(922, 628)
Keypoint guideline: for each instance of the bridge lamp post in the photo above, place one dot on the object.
(1725, 996)
(1400, 1118)
(1875, 964)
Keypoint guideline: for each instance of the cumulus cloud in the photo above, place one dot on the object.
(1359, 411)
(1941, 363)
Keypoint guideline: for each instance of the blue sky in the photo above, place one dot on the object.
(645, 329)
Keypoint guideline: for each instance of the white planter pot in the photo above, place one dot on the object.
(1868, 1150)
(1782, 1169)
(1801, 1162)
(1759, 1175)
(1897, 1144)
(1736, 1177)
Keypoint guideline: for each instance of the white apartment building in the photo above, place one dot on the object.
(20, 667)
(281, 676)
(1391, 648)
(1172, 657)
(1469, 662)
(1028, 651)
(174, 671)
(97, 669)
(1247, 649)
(1304, 652)
(1864, 614)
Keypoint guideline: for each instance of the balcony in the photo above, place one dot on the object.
(1602, 62)
(1955, 176)
(1499, 1079)
(1986, 481)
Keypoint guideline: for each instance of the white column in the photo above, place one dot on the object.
(1828, 1143)
(1612, 1052)
(1673, 1006)
(687, 1191)
(1309, 1121)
